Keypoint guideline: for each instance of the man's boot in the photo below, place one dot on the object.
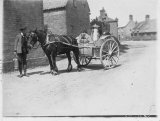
(20, 70)
(21, 75)
(25, 71)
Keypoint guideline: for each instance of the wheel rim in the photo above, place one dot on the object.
(84, 61)
(109, 53)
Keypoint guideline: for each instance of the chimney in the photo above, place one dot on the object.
(130, 17)
(147, 17)
(102, 12)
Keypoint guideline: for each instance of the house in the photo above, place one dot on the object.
(124, 32)
(103, 17)
(69, 17)
(19, 13)
(145, 30)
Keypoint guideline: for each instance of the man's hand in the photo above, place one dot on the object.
(15, 53)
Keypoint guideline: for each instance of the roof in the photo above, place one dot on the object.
(107, 19)
(130, 22)
(95, 26)
(146, 26)
(53, 4)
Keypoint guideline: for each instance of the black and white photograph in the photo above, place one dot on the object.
(79, 59)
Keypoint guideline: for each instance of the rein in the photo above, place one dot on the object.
(60, 42)
(44, 44)
(68, 44)
(36, 46)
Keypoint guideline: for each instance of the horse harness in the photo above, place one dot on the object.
(58, 40)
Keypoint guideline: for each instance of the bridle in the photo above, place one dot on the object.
(35, 35)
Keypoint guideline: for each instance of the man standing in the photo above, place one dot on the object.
(21, 51)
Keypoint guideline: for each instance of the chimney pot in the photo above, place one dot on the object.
(147, 17)
(130, 17)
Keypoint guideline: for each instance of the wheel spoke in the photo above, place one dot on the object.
(105, 55)
(108, 47)
(105, 51)
(116, 56)
(80, 58)
(111, 61)
(115, 51)
(112, 45)
(83, 60)
(114, 48)
(106, 58)
(86, 60)
(114, 60)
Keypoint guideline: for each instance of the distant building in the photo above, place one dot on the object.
(70, 17)
(124, 32)
(113, 22)
(19, 13)
(145, 30)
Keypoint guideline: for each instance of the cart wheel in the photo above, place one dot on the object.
(84, 60)
(109, 53)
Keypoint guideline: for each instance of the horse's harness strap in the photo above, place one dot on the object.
(58, 40)
(65, 39)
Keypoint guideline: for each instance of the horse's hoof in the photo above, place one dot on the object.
(56, 69)
(54, 73)
(79, 69)
(69, 68)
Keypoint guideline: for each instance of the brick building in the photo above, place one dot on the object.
(68, 17)
(125, 31)
(113, 22)
(17, 13)
(145, 30)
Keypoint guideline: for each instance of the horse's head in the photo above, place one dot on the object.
(33, 38)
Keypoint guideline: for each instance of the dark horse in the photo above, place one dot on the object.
(58, 44)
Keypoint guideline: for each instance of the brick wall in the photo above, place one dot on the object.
(18, 13)
(70, 20)
(77, 17)
(56, 21)
(114, 29)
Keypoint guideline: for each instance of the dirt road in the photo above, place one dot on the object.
(128, 89)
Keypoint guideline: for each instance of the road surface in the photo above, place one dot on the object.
(128, 89)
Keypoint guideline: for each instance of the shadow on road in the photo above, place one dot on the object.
(94, 67)
(91, 67)
(124, 48)
(43, 73)
(59, 72)
(36, 72)
(99, 67)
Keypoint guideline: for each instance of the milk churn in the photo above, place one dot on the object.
(15, 61)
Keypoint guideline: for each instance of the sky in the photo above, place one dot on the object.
(123, 8)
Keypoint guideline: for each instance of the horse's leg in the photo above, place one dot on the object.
(69, 61)
(55, 69)
(76, 54)
(50, 62)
